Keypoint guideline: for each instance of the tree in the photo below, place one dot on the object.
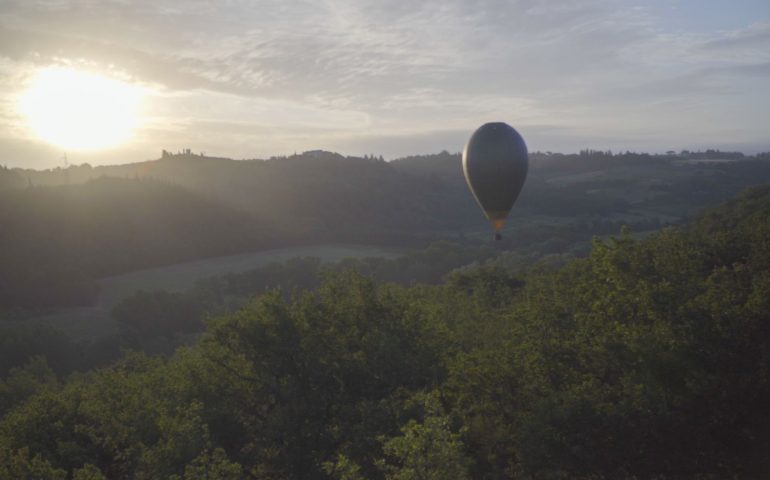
(426, 451)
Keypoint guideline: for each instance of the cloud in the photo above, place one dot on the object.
(352, 73)
(756, 38)
(42, 49)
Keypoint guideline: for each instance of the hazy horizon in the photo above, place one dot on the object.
(262, 79)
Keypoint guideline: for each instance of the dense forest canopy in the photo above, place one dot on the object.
(646, 359)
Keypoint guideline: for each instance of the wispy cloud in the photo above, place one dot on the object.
(371, 76)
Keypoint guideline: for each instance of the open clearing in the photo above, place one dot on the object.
(95, 320)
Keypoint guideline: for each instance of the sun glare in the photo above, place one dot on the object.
(78, 110)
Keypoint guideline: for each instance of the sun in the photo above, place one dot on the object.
(79, 110)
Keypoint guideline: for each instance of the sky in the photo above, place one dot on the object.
(261, 78)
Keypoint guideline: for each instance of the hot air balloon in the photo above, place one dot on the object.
(495, 163)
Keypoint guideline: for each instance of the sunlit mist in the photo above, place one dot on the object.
(79, 110)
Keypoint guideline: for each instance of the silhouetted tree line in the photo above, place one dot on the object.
(10, 179)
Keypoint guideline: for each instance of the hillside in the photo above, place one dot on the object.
(317, 195)
(54, 240)
(645, 360)
(328, 196)
(85, 221)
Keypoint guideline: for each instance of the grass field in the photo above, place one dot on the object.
(95, 320)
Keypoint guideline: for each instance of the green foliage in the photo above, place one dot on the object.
(19, 343)
(19, 466)
(426, 451)
(88, 472)
(213, 465)
(23, 382)
(648, 359)
(343, 469)
(320, 374)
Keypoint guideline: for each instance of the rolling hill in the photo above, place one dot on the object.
(62, 227)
